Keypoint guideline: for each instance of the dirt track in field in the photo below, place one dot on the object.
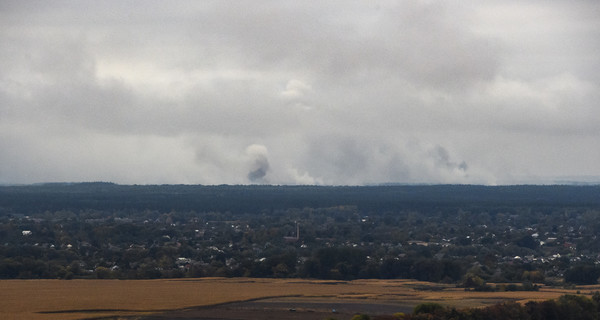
(289, 308)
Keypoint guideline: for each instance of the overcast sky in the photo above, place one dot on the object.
(297, 92)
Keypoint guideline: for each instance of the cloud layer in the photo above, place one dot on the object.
(282, 92)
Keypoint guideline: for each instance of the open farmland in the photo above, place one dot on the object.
(78, 299)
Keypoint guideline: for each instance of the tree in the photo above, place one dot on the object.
(583, 274)
(428, 307)
(102, 273)
(527, 242)
(280, 270)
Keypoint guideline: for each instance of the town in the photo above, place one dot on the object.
(471, 241)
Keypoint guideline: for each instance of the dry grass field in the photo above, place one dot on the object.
(79, 299)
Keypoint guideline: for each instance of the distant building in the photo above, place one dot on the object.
(418, 243)
(296, 238)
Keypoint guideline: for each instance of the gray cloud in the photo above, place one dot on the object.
(337, 93)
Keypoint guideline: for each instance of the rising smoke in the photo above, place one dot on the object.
(259, 163)
(442, 159)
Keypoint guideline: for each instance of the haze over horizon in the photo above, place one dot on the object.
(286, 92)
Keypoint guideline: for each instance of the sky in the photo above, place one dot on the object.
(297, 92)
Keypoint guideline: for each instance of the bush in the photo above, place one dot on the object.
(399, 315)
(428, 307)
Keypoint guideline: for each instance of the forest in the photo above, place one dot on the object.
(472, 236)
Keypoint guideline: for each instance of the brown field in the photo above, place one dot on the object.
(79, 299)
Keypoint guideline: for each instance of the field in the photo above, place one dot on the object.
(81, 299)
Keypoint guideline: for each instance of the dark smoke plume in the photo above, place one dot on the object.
(259, 163)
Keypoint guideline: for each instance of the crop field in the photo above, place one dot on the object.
(81, 299)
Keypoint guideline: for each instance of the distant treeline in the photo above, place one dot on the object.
(567, 307)
(265, 198)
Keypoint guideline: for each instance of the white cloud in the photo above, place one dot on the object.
(295, 89)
